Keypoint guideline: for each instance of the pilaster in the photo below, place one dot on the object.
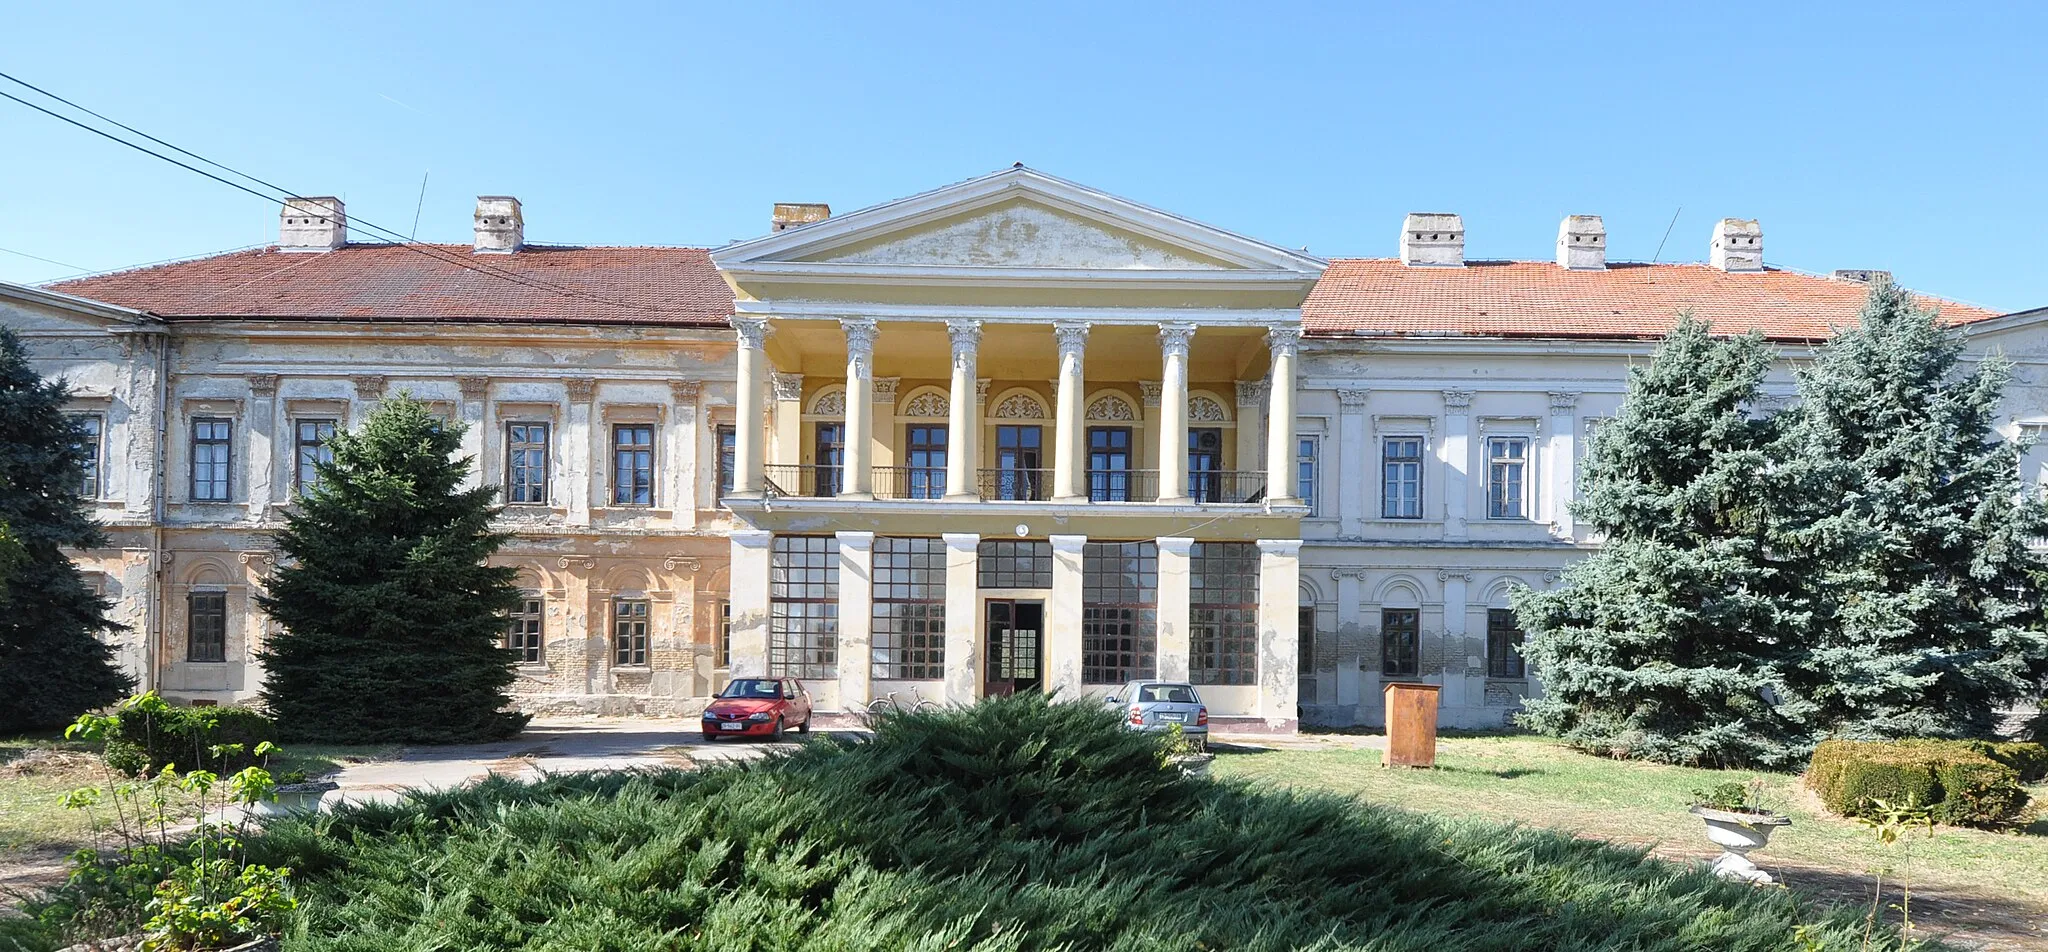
(1457, 462)
(470, 412)
(1354, 451)
(1175, 589)
(856, 617)
(1279, 630)
(1560, 474)
(749, 600)
(579, 445)
(1457, 651)
(1063, 618)
(963, 618)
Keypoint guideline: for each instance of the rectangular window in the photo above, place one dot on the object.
(1109, 463)
(927, 470)
(803, 607)
(633, 465)
(523, 631)
(206, 615)
(526, 464)
(1004, 563)
(311, 443)
(1305, 470)
(91, 436)
(1205, 464)
(1503, 644)
(1401, 477)
(1223, 613)
(1018, 476)
(910, 610)
(724, 658)
(1507, 466)
(629, 631)
(728, 448)
(1400, 641)
(831, 457)
(1119, 611)
(212, 445)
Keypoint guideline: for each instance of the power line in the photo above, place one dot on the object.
(44, 260)
(429, 251)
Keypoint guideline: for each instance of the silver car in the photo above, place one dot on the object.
(1159, 705)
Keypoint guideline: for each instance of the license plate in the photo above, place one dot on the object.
(1175, 718)
(732, 726)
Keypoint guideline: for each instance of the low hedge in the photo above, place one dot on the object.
(1959, 782)
(152, 736)
(2029, 760)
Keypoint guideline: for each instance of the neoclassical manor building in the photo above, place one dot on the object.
(1010, 434)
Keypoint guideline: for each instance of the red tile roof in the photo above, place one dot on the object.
(380, 282)
(1541, 299)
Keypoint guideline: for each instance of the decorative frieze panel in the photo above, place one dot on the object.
(929, 404)
(1111, 409)
(1018, 406)
(1205, 410)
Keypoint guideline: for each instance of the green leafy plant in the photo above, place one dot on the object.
(1176, 743)
(1893, 825)
(1734, 796)
(1957, 782)
(211, 904)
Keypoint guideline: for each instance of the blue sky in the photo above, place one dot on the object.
(1907, 137)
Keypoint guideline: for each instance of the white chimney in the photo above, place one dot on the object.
(791, 214)
(1738, 245)
(1862, 276)
(1582, 243)
(500, 230)
(312, 224)
(1433, 240)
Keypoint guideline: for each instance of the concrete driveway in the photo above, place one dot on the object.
(549, 745)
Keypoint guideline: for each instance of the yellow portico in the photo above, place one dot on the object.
(1016, 434)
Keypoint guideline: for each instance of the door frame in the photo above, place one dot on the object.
(985, 677)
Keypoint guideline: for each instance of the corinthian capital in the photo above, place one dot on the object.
(1072, 336)
(1284, 339)
(753, 331)
(966, 337)
(1174, 338)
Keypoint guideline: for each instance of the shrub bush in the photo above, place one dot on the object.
(1959, 783)
(2029, 760)
(153, 733)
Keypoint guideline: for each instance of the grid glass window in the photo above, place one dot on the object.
(1400, 641)
(1401, 478)
(724, 659)
(633, 465)
(910, 610)
(629, 631)
(206, 616)
(212, 445)
(728, 448)
(1223, 613)
(1507, 466)
(927, 469)
(803, 607)
(523, 630)
(1109, 463)
(831, 458)
(1015, 564)
(91, 431)
(1503, 644)
(311, 443)
(1305, 472)
(526, 463)
(1119, 611)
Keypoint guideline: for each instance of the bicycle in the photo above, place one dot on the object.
(893, 704)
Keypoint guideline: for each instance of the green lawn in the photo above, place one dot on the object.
(1536, 781)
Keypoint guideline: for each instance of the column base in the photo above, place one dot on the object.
(1286, 501)
(857, 497)
(961, 497)
(1070, 499)
(1177, 500)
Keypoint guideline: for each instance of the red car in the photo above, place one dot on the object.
(754, 707)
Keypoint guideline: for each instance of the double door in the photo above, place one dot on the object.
(1015, 648)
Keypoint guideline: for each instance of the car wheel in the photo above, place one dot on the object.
(805, 727)
(710, 738)
(778, 728)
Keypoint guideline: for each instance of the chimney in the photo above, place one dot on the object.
(500, 230)
(1433, 240)
(791, 214)
(1582, 243)
(1738, 245)
(1862, 276)
(312, 224)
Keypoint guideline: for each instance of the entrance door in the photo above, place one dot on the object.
(927, 470)
(1109, 463)
(831, 458)
(1015, 630)
(1017, 463)
(1205, 464)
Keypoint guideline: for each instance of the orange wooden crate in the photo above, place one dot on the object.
(1411, 724)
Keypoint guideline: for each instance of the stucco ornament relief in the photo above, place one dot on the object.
(1072, 336)
(931, 404)
(1111, 410)
(752, 331)
(1019, 406)
(1026, 235)
(788, 386)
(1251, 393)
(1204, 410)
(1149, 391)
(830, 403)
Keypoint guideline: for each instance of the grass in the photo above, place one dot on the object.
(1540, 782)
(1013, 825)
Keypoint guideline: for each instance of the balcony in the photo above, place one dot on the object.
(1214, 487)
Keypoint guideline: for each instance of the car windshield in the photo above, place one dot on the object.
(753, 687)
(1166, 693)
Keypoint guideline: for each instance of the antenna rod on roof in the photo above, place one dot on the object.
(1667, 235)
(422, 203)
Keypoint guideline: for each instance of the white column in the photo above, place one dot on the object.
(1069, 460)
(1063, 618)
(750, 410)
(858, 479)
(1279, 629)
(1457, 646)
(1173, 411)
(1251, 425)
(785, 446)
(1561, 469)
(1354, 455)
(856, 616)
(963, 615)
(1175, 587)
(750, 566)
(1351, 678)
(1280, 472)
(962, 418)
(1457, 461)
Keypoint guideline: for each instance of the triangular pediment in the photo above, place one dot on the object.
(1016, 220)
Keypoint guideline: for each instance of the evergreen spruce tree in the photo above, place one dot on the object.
(53, 665)
(1921, 525)
(1669, 644)
(391, 618)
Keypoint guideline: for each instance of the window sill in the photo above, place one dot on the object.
(634, 668)
(1399, 521)
(617, 511)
